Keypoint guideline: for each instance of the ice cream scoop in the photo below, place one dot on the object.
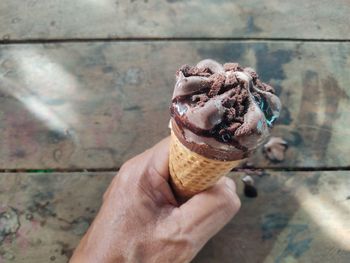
(222, 112)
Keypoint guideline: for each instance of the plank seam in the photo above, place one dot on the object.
(156, 39)
(275, 169)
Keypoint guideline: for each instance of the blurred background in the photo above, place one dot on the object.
(85, 85)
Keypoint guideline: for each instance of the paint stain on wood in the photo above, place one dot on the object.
(312, 183)
(296, 243)
(312, 105)
(66, 250)
(285, 117)
(251, 26)
(270, 63)
(272, 223)
(9, 223)
(332, 96)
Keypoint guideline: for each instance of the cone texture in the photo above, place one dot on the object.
(192, 173)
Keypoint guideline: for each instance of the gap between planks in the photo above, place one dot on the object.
(162, 39)
(273, 169)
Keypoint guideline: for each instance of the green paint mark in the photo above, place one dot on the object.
(40, 171)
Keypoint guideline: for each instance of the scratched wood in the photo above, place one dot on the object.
(43, 216)
(297, 217)
(50, 19)
(94, 105)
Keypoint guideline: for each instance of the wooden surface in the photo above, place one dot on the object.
(86, 85)
(297, 217)
(94, 105)
(65, 19)
(43, 216)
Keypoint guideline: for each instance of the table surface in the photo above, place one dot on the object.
(85, 85)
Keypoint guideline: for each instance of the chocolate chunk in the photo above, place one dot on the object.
(185, 70)
(218, 81)
(231, 81)
(227, 103)
(240, 109)
(194, 71)
(232, 67)
(275, 149)
(200, 98)
(230, 114)
(264, 86)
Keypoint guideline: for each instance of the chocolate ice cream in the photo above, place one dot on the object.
(275, 149)
(222, 111)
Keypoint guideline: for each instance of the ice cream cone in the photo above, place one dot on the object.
(191, 173)
(219, 115)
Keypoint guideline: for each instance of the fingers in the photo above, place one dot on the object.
(149, 170)
(155, 158)
(159, 157)
(158, 171)
(207, 212)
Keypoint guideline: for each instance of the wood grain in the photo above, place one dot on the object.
(297, 217)
(50, 19)
(94, 105)
(44, 215)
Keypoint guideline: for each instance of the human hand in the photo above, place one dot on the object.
(140, 220)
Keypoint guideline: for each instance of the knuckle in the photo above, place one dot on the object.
(126, 170)
(132, 166)
(126, 166)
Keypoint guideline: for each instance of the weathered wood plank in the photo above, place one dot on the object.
(297, 217)
(50, 19)
(45, 214)
(95, 105)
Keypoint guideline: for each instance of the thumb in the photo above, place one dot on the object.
(207, 212)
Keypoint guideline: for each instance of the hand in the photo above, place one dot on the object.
(140, 220)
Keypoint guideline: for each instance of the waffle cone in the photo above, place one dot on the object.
(191, 173)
